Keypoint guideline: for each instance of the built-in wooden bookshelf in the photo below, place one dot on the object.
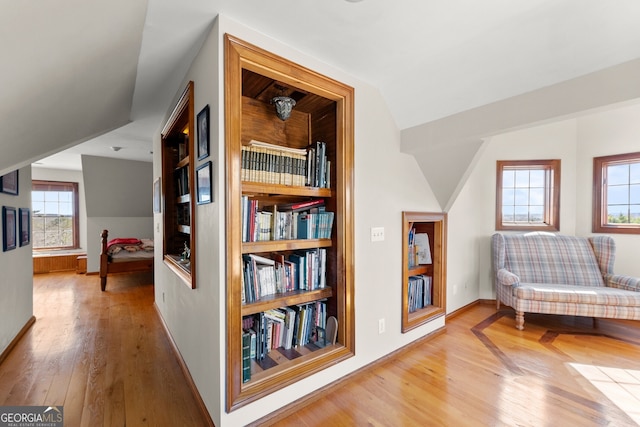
(323, 113)
(179, 243)
(424, 267)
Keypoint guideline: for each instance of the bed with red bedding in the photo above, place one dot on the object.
(124, 255)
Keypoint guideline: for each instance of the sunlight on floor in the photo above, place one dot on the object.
(621, 386)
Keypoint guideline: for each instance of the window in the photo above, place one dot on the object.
(616, 194)
(54, 218)
(528, 195)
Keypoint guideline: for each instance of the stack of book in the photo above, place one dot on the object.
(419, 292)
(286, 327)
(301, 220)
(276, 164)
(276, 274)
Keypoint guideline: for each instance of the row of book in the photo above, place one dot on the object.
(301, 220)
(181, 177)
(269, 275)
(419, 292)
(275, 164)
(419, 250)
(286, 328)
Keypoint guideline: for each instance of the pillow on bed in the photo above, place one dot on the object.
(124, 241)
(147, 244)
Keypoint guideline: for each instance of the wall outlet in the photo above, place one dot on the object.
(377, 234)
(163, 297)
(381, 326)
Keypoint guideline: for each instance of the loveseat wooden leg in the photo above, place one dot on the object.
(520, 320)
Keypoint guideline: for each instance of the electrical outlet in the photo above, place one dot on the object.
(163, 297)
(377, 234)
(381, 326)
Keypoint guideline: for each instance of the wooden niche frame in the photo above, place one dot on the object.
(178, 189)
(328, 106)
(434, 225)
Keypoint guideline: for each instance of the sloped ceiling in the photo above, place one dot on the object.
(79, 69)
(68, 72)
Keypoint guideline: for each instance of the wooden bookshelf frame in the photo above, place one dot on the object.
(434, 224)
(240, 57)
(182, 117)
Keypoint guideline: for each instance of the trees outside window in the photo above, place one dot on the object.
(54, 217)
(528, 195)
(616, 194)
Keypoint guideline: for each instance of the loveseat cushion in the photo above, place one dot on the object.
(550, 259)
(577, 294)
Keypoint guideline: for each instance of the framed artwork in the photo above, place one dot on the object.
(9, 183)
(8, 228)
(203, 133)
(204, 183)
(24, 227)
(157, 196)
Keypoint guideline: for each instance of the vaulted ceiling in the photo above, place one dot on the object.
(101, 73)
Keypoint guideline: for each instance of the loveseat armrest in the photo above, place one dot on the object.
(507, 278)
(624, 282)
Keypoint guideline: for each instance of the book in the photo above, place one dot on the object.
(299, 206)
(246, 356)
(422, 248)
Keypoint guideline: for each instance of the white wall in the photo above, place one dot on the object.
(611, 132)
(118, 196)
(16, 267)
(386, 183)
(44, 174)
(472, 216)
(575, 142)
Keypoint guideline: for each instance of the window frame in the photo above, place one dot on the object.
(552, 194)
(42, 185)
(600, 213)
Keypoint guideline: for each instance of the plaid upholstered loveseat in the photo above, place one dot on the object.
(556, 274)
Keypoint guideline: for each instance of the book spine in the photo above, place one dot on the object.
(246, 357)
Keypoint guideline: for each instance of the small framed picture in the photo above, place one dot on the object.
(157, 196)
(204, 183)
(25, 226)
(203, 133)
(8, 228)
(9, 183)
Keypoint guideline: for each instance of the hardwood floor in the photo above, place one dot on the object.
(106, 359)
(559, 371)
(103, 356)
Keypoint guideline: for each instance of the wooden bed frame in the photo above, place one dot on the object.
(107, 267)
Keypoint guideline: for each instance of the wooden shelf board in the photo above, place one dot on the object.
(182, 163)
(284, 245)
(278, 189)
(422, 316)
(287, 299)
(419, 269)
(182, 271)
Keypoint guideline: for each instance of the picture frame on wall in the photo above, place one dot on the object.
(9, 183)
(24, 229)
(204, 183)
(203, 133)
(8, 228)
(157, 196)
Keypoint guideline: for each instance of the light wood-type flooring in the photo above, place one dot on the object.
(558, 372)
(105, 357)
